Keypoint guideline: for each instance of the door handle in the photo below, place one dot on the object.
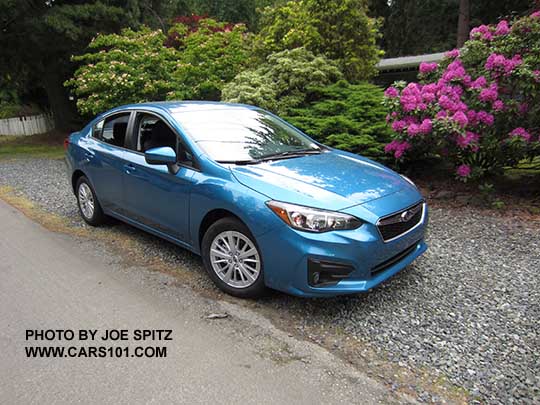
(129, 168)
(88, 155)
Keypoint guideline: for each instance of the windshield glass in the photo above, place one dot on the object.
(240, 134)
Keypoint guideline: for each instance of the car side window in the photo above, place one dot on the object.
(153, 132)
(98, 129)
(112, 130)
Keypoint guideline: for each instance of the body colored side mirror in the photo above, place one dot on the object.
(164, 155)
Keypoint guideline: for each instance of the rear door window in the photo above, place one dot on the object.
(112, 129)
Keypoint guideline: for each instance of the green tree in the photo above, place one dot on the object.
(136, 66)
(345, 116)
(282, 82)
(338, 29)
(38, 37)
(235, 11)
(413, 27)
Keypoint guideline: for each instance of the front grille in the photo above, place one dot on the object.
(397, 224)
(393, 260)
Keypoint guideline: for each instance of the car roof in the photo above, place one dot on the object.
(187, 106)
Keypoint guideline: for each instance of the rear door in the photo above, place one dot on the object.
(104, 158)
(157, 196)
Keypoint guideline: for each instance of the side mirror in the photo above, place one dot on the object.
(164, 155)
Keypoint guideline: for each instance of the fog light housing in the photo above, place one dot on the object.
(325, 273)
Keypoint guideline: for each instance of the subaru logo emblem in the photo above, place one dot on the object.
(406, 215)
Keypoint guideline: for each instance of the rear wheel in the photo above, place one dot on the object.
(232, 258)
(89, 206)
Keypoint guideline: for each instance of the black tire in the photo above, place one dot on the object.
(98, 217)
(257, 288)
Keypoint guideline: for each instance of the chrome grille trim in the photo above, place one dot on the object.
(395, 219)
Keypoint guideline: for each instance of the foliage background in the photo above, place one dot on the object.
(345, 116)
(480, 109)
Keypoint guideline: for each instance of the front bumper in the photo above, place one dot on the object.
(289, 253)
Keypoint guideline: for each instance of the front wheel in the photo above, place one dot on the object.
(232, 259)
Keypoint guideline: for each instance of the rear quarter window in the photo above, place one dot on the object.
(97, 130)
(112, 130)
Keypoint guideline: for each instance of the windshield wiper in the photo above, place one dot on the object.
(274, 156)
(241, 162)
(291, 153)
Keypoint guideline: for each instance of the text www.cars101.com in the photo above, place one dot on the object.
(96, 351)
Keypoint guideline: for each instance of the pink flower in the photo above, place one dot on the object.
(430, 88)
(499, 64)
(489, 94)
(481, 32)
(521, 132)
(465, 140)
(429, 97)
(498, 105)
(485, 118)
(464, 170)
(399, 125)
(479, 83)
(536, 14)
(472, 117)
(401, 150)
(441, 115)
(398, 147)
(536, 74)
(410, 120)
(414, 129)
(455, 70)
(391, 92)
(460, 118)
(426, 126)
(502, 28)
(454, 53)
(426, 67)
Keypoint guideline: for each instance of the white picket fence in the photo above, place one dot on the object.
(30, 125)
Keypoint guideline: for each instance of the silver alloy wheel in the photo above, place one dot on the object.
(235, 259)
(86, 201)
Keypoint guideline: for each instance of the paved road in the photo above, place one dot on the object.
(54, 281)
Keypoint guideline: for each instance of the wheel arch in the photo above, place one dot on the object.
(77, 174)
(213, 216)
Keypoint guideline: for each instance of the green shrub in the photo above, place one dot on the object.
(282, 82)
(8, 110)
(338, 29)
(479, 109)
(136, 66)
(345, 116)
(208, 58)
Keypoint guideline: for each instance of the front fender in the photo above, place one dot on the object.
(212, 193)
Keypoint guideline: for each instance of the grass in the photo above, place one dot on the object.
(49, 145)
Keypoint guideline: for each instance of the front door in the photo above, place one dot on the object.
(155, 195)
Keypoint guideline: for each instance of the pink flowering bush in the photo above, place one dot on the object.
(479, 109)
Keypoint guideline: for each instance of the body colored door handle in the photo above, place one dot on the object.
(129, 168)
(88, 155)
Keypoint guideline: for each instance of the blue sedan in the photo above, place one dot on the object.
(261, 202)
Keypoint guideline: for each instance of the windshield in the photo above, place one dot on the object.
(240, 134)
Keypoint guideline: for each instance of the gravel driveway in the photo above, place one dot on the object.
(469, 309)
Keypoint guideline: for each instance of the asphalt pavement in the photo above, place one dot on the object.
(51, 281)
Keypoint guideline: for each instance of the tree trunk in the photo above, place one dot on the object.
(63, 110)
(463, 22)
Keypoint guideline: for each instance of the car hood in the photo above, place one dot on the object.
(330, 180)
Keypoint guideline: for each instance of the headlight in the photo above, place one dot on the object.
(408, 180)
(312, 219)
